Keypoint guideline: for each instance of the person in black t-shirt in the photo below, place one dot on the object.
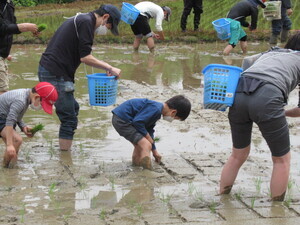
(239, 12)
(71, 45)
(8, 27)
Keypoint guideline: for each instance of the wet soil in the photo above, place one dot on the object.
(95, 183)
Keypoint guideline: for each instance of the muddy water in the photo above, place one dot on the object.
(95, 182)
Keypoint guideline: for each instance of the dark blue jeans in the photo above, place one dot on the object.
(66, 106)
(283, 24)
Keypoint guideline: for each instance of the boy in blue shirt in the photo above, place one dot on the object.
(135, 120)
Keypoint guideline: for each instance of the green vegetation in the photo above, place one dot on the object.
(42, 27)
(37, 128)
(103, 214)
(22, 212)
(54, 15)
(156, 139)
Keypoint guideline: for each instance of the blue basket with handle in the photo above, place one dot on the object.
(220, 82)
(129, 13)
(103, 89)
(222, 26)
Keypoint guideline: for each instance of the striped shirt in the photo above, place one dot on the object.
(13, 105)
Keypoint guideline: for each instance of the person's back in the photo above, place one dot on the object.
(243, 9)
(68, 45)
(141, 112)
(152, 10)
(279, 67)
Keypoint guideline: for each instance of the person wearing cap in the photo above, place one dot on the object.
(261, 95)
(141, 27)
(13, 105)
(71, 45)
(188, 6)
(8, 27)
(282, 26)
(237, 16)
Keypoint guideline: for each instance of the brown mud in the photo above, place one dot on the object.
(95, 183)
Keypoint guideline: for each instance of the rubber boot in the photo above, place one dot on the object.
(273, 39)
(284, 35)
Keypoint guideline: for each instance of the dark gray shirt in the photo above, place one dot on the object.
(279, 67)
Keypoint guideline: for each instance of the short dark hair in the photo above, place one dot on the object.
(293, 42)
(100, 11)
(181, 104)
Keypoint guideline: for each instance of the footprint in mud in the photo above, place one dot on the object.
(204, 204)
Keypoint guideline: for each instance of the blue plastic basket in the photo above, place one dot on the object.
(220, 82)
(102, 89)
(129, 13)
(222, 26)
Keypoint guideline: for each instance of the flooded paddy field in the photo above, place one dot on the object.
(95, 182)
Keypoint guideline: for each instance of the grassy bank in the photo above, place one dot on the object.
(53, 15)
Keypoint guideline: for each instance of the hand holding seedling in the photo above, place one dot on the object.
(36, 128)
(27, 131)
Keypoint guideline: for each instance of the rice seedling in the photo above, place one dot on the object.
(112, 182)
(37, 128)
(191, 188)
(42, 27)
(198, 195)
(165, 198)
(288, 200)
(139, 210)
(157, 139)
(22, 212)
(212, 206)
(252, 202)
(238, 195)
(82, 183)
(52, 190)
(51, 149)
(66, 219)
(103, 214)
(258, 182)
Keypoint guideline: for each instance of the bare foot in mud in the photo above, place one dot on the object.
(279, 198)
(146, 163)
(11, 163)
(226, 190)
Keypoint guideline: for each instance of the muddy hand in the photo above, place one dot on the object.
(157, 156)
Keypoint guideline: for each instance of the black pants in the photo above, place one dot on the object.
(188, 6)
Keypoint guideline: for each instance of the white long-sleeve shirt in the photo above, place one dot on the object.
(152, 10)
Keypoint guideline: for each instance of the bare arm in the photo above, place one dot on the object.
(295, 112)
(24, 27)
(94, 62)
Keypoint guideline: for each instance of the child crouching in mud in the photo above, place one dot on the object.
(135, 120)
(13, 105)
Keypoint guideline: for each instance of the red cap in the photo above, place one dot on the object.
(48, 95)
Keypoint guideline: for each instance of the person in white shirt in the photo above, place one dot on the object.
(141, 27)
